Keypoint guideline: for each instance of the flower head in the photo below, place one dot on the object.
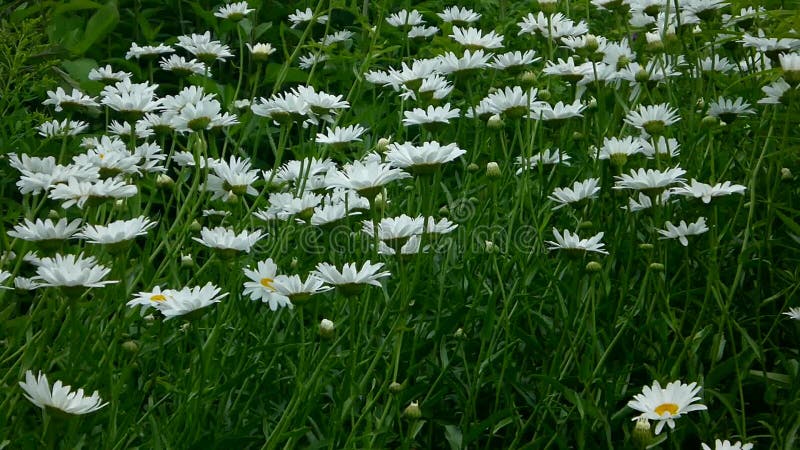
(666, 405)
(37, 390)
(571, 241)
(682, 230)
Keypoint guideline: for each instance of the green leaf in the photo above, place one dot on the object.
(100, 24)
(76, 5)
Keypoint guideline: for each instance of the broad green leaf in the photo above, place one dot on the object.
(100, 24)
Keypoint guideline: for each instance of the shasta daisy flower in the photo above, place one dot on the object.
(339, 135)
(511, 101)
(573, 242)
(432, 115)
(793, 313)
(60, 397)
(666, 405)
(395, 229)
(45, 230)
(261, 51)
(150, 298)
(134, 99)
(706, 192)
(350, 279)
(474, 38)
(4, 275)
(404, 18)
(458, 16)
(297, 290)
(222, 238)
(618, 150)
(469, 61)
(234, 11)
(76, 100)
(300, 17)
(137, 51)
(117, 231)
(547, 157)
(75, 192)
(56, 129)
(581, 190)
(727, 445)
(183, 67)
(260, 285)
(728, 110)
(650, 179)
(72, 271)
(682, 230)
(559, 111)
(422, 32)
(424, 158)
(775, 92)
(106, 75)
(653, 118)
(188, 300)
(367, 177)
(204, 48)
(513, 60)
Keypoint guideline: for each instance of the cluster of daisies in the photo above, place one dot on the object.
(664, 405)
(330, 189)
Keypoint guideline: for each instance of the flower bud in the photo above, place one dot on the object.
(490, 247)
(786, 173)
(495, 122)
(527, 79)
(591, 43)
(53, 214)
(164, 181)
(709, 122)
(544, 95)
(412, 411)
(656, 267)
(642, 434)
(383, 144)
(326, 329)
(493, 170)
(444, 211)
(380, 201)
(396, 387)
(646, 246)
(472, 167)
(459, 334)
(187, 261)
(642, 76)
(195, 225)
(294, 263)
(593, 266)
(130, 346)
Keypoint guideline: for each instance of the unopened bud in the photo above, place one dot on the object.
(412, 411)
(490, 247)
(383, 143)
(164, 180)
(459, 334)
(656, 267)
(786, 174)
(326, 329)
(195, 225)
(396, 387)
(186, 260)
(585, 225)
(493, 170)
(646, 246)
(593, 266)
(528, 79)
(591, 43)
(53, 214)
(380, 201)
(709, 122)
(495, 122)
(444, 211)
(642, 434)
(544, 95)
(294, 263)
(642, 76)
(130, 346)
(472, 167)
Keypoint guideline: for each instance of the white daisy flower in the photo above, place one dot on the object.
(422, 32)
(56, 129)
(650, 179)
(339, 135)
(131, 98)
(234, 11)
(37, 391)
(727, 445)
(188, 300)
(225, 239)
(706, 192)
(728, 110)
(71, 271)
(183, 67)
(793, 313)
(450, 63)
(45, 230)
(682, 230)
(75, 192)
(431, 115)
(76, 100)
(458, 16)
(260, 51)
(350, 279)
(423, 158)
(297, 290)
(117, 231)
(107, 75)
(775, 92)
(231, 177)
(367, 177)
(137, 51)
(581, 190)
(474, 38)
(573, 242)
(653, 118)
(204, 48)
(514, 59)
(404, 18)
(666, 405)
(300, 17)
(260, 286)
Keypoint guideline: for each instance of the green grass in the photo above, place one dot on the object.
(502, 343)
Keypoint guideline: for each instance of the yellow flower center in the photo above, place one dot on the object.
(267, 283)
(158, 298)
(101, 155)
(670, 408)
